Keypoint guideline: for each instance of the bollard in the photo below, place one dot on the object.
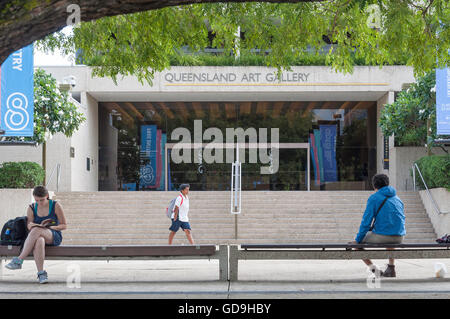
(234, 262)
(223, 262)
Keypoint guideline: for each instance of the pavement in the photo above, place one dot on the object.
(198, 279)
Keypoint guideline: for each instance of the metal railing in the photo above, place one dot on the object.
(414, 167)
(236, 184)
(58, 176)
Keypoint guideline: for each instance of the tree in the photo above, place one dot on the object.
(24, 21)
(53, 112)
(412, 117)
(379, 31)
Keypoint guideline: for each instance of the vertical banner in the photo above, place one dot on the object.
(148, 156)
(443, 101)
(17, 93)
(386, 152)
(315, 159)
(328, 146)
(163, 162)
(158, 160)
(169, 182)
(317, 138)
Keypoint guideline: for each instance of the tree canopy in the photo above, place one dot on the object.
(407, 117)
(381, 32)
(24, 21)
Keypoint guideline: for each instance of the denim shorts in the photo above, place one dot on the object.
(177, 224)
(57, 238)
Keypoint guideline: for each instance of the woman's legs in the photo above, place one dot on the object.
(39, 253)
(31, 241)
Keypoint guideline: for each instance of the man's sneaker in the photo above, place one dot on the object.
(43, 277)
(389, 272)
(15, 263)
(376, 270)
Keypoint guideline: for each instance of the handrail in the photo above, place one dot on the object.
(236, 184)
(428, 191)
(58, 176)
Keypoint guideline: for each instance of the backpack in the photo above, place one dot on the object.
(169, 210)
(14, 232)
(444, 239)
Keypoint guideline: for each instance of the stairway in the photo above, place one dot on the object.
(124, 218)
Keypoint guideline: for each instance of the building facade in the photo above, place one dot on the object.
(316, 115)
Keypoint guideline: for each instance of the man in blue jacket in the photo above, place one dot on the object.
(389, 223)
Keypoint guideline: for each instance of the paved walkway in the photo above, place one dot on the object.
(199, 279)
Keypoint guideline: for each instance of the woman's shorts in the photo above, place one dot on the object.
(372, 238)
(177, 224)
(57, 238)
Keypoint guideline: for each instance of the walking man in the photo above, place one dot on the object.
(180, 215)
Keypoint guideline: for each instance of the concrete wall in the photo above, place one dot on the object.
(401, 160)
(85, 142)
(21, 154)
(14, 203)
(318, 83)
(441, 222)
(58, 150)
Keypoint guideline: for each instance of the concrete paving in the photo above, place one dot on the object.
(198, 279)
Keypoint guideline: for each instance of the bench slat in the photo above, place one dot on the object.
(325, 246)
(119, 251)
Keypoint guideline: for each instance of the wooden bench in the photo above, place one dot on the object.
(332, 251)
(136, 252)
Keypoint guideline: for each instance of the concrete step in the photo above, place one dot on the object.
(180, 239)
(278, 217)
(223, 218)
(252, 213)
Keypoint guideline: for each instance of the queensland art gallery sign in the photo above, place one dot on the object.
(233, 78)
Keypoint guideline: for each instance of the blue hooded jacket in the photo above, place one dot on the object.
(390, 219)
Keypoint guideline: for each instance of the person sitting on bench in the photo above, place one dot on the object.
(383, 221)
(45, 222)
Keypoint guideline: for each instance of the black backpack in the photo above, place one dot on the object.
(14, 232)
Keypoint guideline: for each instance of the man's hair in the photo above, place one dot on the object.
(183, 186)
(380, 180)
(40, 191)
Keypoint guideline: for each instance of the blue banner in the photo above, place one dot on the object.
(317, 139)
(328, 146)
(17, 93)
(315, 159)
(169, 182)
(443, 101)
(163, 162)
(148, 156)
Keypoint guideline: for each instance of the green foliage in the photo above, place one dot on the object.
(21, 175)
(253, 59)
(143, 43)
(435, 170)
(407, 117)
(53, 111)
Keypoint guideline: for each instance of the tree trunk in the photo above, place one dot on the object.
(44, 161)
